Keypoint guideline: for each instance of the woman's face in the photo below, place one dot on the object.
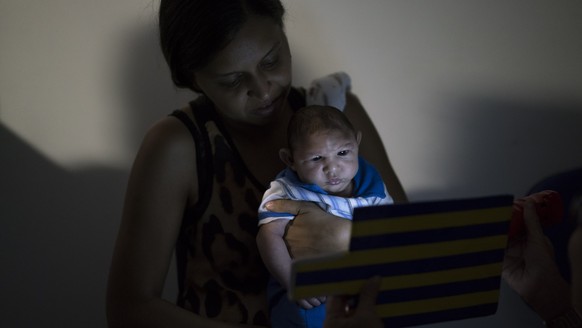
(249, 80)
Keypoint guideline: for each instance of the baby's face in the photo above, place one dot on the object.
(328, 159)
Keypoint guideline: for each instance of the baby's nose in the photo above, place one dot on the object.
(330, 169)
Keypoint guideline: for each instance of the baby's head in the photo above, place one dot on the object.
(323, 149)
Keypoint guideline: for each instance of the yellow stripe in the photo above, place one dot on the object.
(352, 287)
(403, 253)
(437, 304)
(430, 221)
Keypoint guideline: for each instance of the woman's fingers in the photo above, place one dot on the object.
(532, 220)
(336, 305)
(287, 206)
(369, 292)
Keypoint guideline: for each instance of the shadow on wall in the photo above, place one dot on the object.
(500, 145)
(58, 227)
(57, 238)
(486, 145)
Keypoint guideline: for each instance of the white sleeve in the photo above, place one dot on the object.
(275, 191)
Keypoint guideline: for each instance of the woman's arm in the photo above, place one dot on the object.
(158, 190)
(371, 147)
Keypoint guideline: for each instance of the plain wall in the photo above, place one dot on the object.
(471, 98)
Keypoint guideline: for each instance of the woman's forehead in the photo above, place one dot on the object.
(258, 37)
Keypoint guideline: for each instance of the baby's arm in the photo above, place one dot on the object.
(273, 249)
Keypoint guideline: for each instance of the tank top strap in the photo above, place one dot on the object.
(204, 173)
(203, 152)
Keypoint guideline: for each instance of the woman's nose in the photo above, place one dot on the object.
(259, 88)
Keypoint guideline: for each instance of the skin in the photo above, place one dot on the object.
(248, 82)
(530, 269)
(340, 315)
(163, 181)
(575, 253)
(328, 159)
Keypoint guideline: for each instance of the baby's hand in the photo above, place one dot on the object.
(310, 303)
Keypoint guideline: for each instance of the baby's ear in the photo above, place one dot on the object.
(286, 156)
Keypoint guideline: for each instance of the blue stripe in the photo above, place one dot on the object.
(418, 208)
(264, 215)
(399, 268)
(434, 291)
(429, 236)
(432, 317)
(289, 190)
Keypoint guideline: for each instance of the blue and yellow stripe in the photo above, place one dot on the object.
(438, 260)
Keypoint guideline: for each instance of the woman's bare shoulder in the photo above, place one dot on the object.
(167, 153)
(169, 137)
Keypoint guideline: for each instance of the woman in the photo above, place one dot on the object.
(198, 178)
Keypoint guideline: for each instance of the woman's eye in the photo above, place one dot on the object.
(234, 83)
(270, 63)
(231, 84)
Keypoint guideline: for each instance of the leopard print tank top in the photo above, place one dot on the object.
(220, 272)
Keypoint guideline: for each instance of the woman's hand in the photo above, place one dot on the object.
(313, 231)
(341, 315)
(575, 254)
(529, 268)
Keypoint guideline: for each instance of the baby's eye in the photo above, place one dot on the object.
(343, 152)
(316, 158)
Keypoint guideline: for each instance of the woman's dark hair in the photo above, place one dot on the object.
(311, 119)
(192, 31)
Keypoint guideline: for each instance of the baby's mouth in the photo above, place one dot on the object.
(334, 181)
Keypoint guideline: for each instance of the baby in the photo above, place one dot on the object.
(323, 167)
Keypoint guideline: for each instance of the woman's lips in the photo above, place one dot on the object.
(270, 107)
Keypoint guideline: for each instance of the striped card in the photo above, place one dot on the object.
(439, 260)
